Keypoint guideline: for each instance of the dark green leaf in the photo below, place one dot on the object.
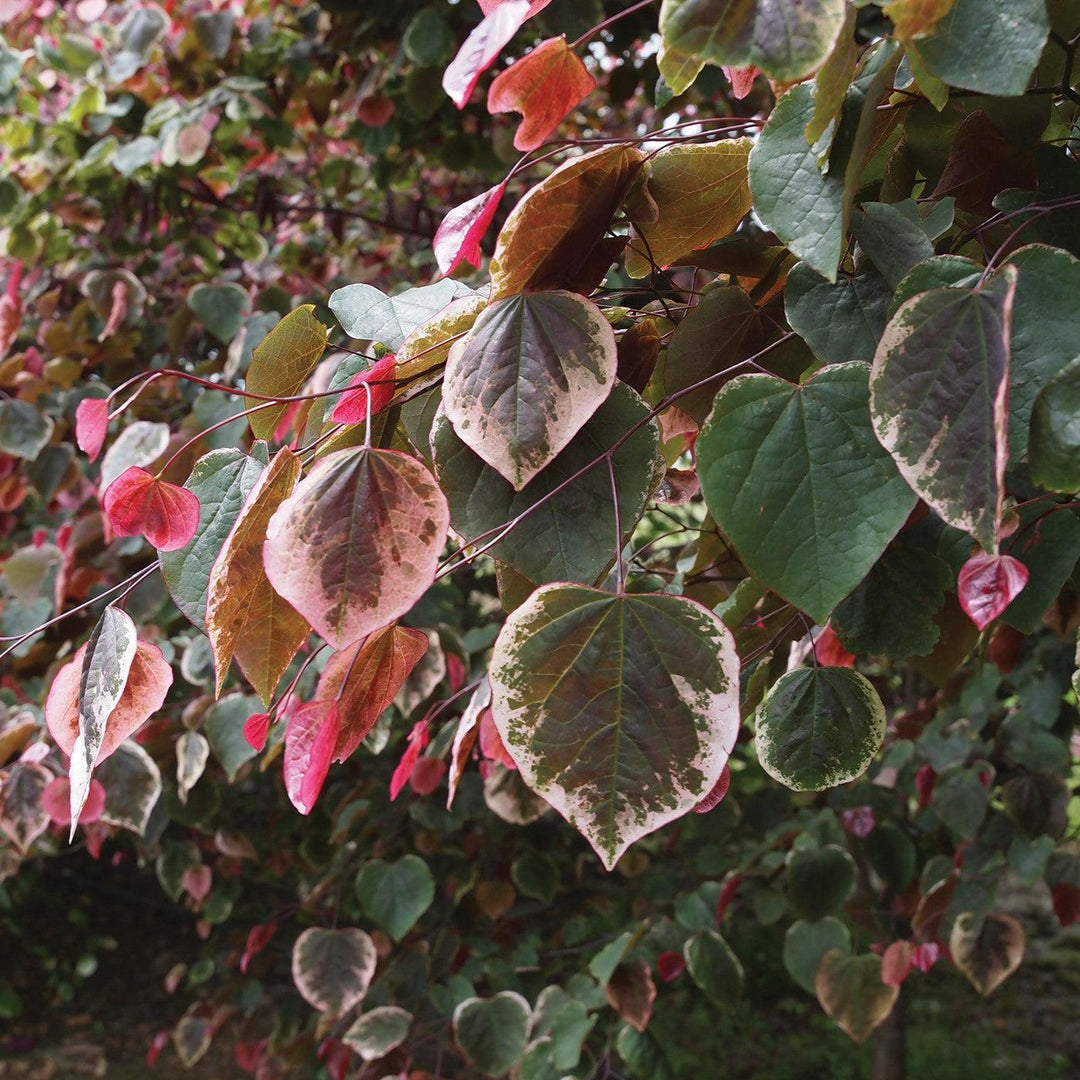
(890, 240)
(492, 1032)
(714, 967)
(395, 894)
(805, 943)
(819, 880)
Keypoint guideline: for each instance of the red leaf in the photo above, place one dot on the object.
(375, 110)
(926, 955)
(91, 425)
(257, 940)
(137, 503)
(1066, 903)
(309, 749)
(337, 1057)
(488, 6)
(670, 965)
(481, 48)
(455, 672)
(427, 775)
(256, 729)
(719, 790)
(458, 237)
(727, 894)
(988, 584)
(741, 79)
(352, 406)
(925, 779)
(148, 682)
(157, 1044)
(248, 1054)
(418, 739)
(830, 652)
(491, 744)
(197, 881)
(56, 799)
(543, 86)
(896, 963)
(858, 820)
(1005, 648)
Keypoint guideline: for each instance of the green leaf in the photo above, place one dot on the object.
(281, 362)
(797, 481)
(396, 894)
(960, 801)
(819, 727)
(990, 46)
(132, 783)
(224, 728)
(24, 430)
(938, 392)
(819, 880)
(1055, 432)
(572, 536)
(890, 240)
(891, 612)
(619, 710)
(221, 308)
(1049, 549)
(529, 374)
(714, 967)
(110, 652)
(891, 853)
(357, 542)
(785, 40)
(379, 1031)
(701, 193)
(368, 314)
(492, 1032)
(536, 875)
(723, 328)
(214, 30)
(333, 969)
(221, 480)
(792, 196)
(140, 443)
(942, 271)
(805, 943)
(841, 321)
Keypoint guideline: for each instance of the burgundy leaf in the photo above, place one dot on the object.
(715, 797)
(670, 965)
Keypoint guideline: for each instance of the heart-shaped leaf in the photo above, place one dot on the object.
(281, 362)
(805, 943)
(395, 894)
(619, 710)
(701, 192)
(221, 481)
(221, 308)
(851, 992)
(132, 783)
(357, 543)
(365, 678)
(140, 504)
(571, 536)
(492, 1032)
(987, 948)
(819, 880)
(91, 425)
(543, 86)
(938, 393)
(532, 370)
(988, 584)
(376, 1033)
(333, 969)
(245, 617)
(819, 727)
(796, 479)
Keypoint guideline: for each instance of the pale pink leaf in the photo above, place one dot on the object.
(481, 48)
(458, 237)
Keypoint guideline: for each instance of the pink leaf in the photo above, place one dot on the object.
(117, 312)
(481, 48)
(727, 894)
(858, 820)
(352, 406)
(741, 79)
(926, 955)
(257, 940)
(896, 963)
(543, 86)
(144, 693)
(56, 801)
(488, 6)
(157, 1044)
(988, 584)
(91, 425)
(256, 729)
(829, 651)
(670, 965)
(491, 744)
(138, 503)
(458, 237)
(716, 795)
(418, 739)
(427, 775)
(309, 749)
(197, 881)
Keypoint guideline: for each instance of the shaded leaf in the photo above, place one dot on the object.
(23, 817)
(310, 738)
(938, 392)
(714, 967)
(492, 1032)
(988, 584)
(333, 969)
(987, 948)
(221, 308)
(1055, 432)
(24, 430)
(465, 739)
(890, 240)
(631, 992)
(395, 894)
(132, 783)
(819, 880)
(357, 543)
(805, 943)
(819, 727)
(376, 1033)
(532, 370)
(225, 726)
(140, 443)
(796, 479)
(619, 710)
(851, 992)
